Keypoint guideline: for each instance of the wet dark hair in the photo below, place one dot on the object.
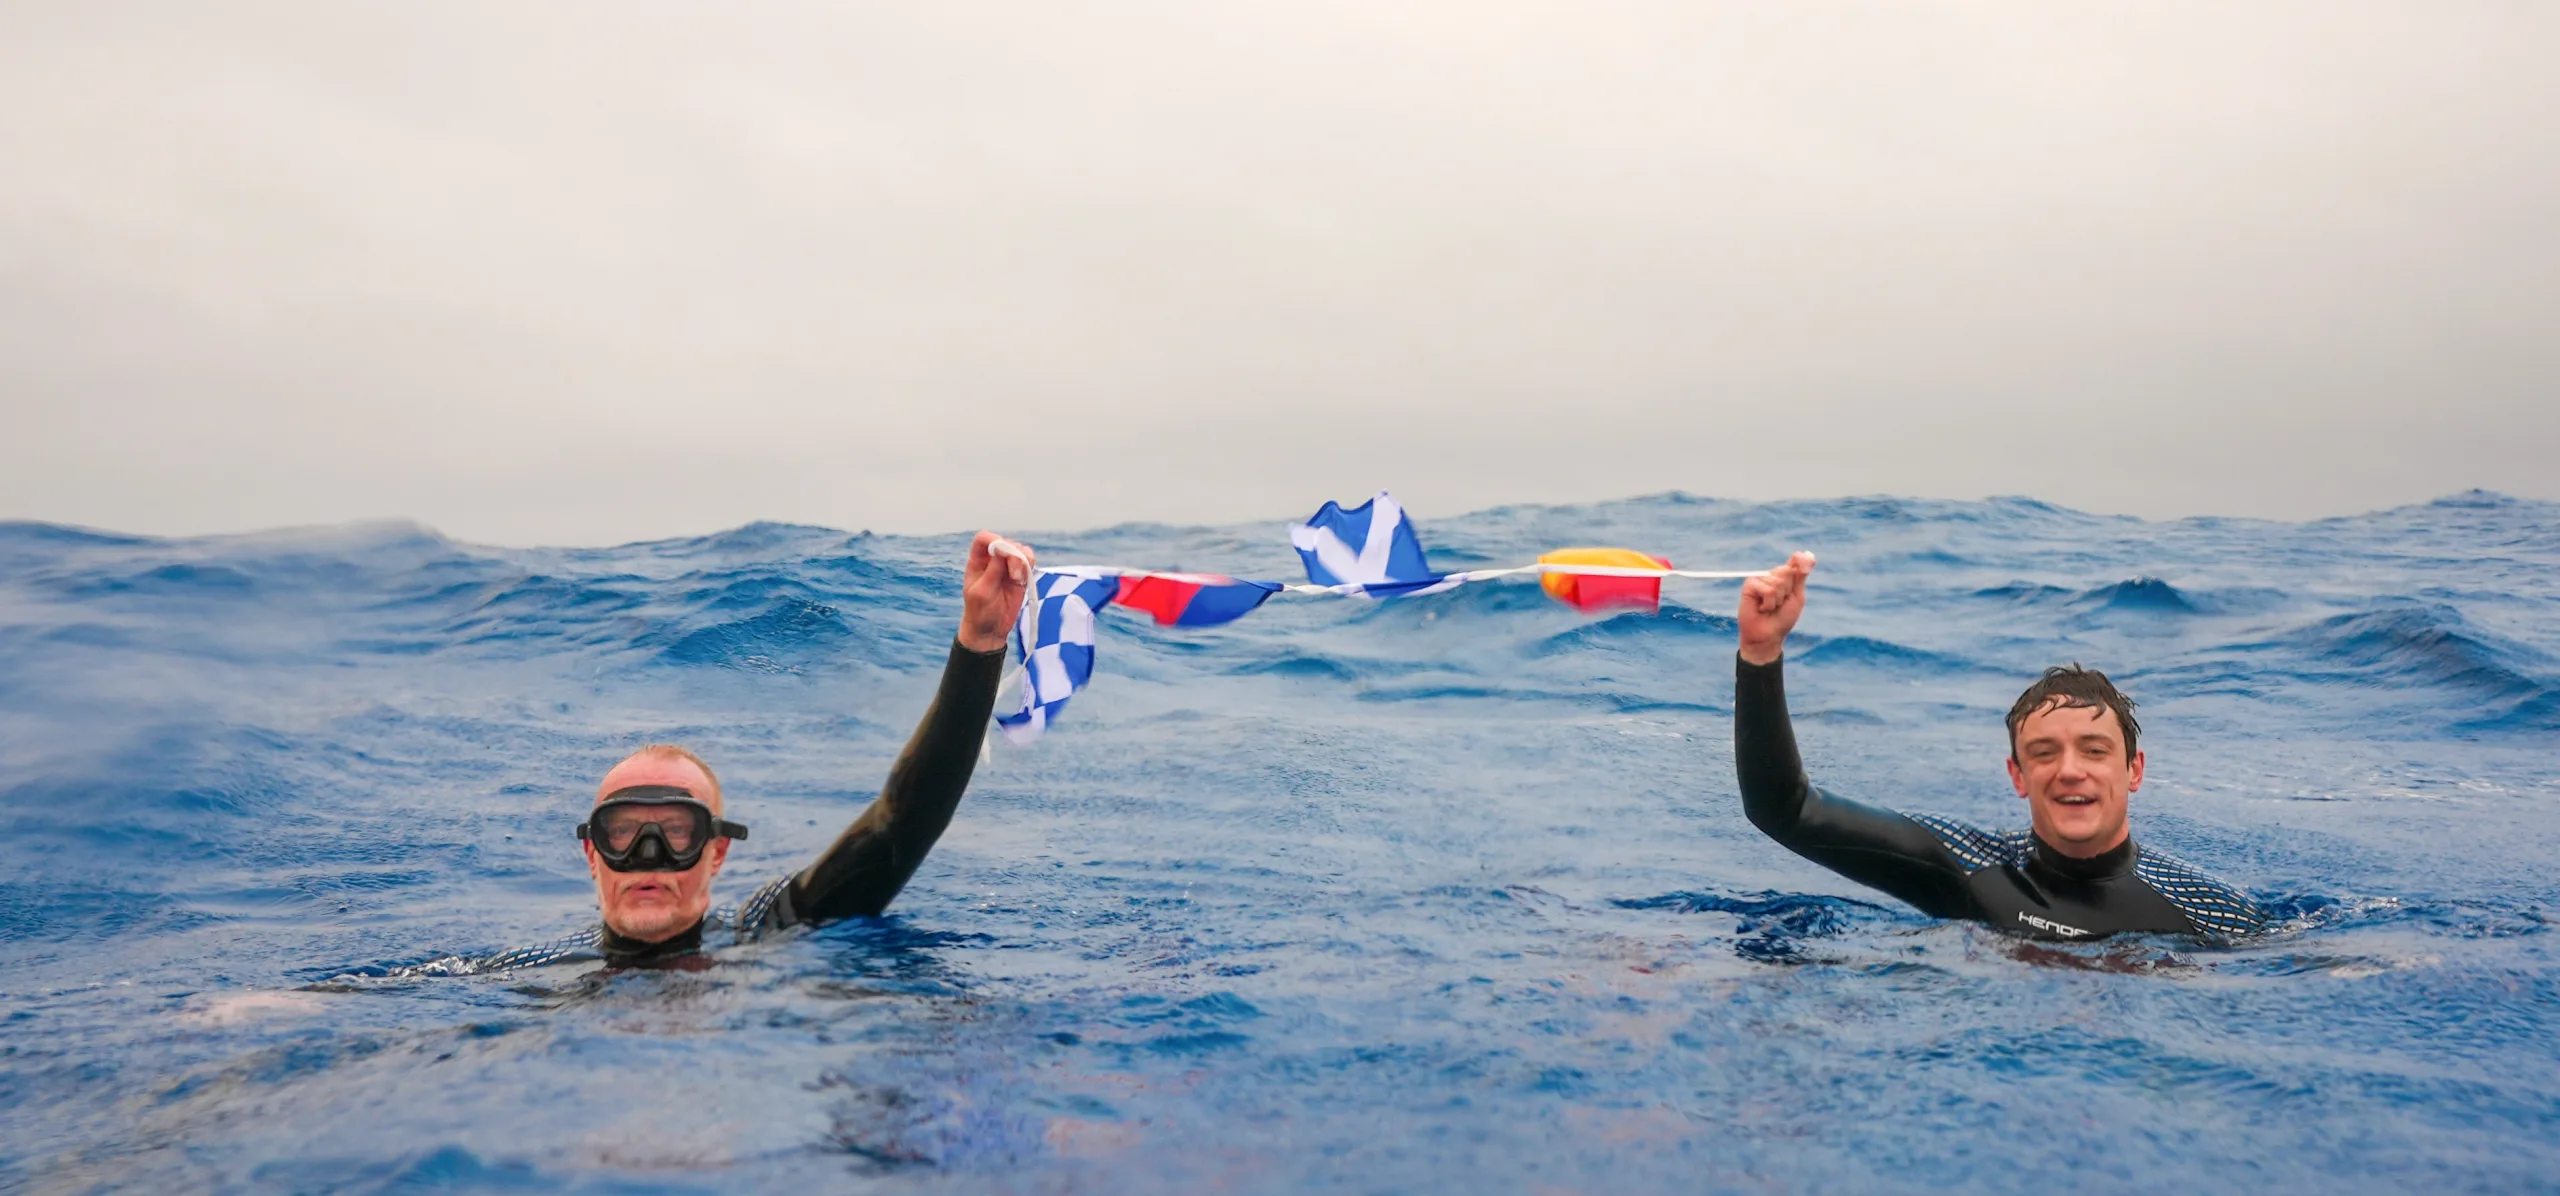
(2074, 688)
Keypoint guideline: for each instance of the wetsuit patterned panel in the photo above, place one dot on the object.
(2217, 908)
(587, 944)
(1973, 846)
(756, 917)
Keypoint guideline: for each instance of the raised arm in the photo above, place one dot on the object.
(873, 858)
(1872, 846)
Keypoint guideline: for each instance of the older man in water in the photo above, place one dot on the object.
(659, 832)
(2075, 873)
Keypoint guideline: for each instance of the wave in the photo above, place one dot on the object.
(761, 540)
(1302, 666)
(1614, 701)
(2539, 712)
(2431, 643)
(2411, 666)
(862, 579)
(783, 638)
(2458, 503)
(2142, 595)
(1672, 626)
(17, 533)
(57, 913)
(52, 541)
(194, 582)
(767, 616)
(2443, 918)
(542, 611)
(2136, 596)
(2426, 647)
(1857, 651)
(2026, 593)
(1466, 605)
(1891, 512)
(1774, 927)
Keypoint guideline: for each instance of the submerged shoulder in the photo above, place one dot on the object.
(1973, 846)
(585, 944)
(2218, 907)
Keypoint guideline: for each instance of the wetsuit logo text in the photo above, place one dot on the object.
(2051, 927)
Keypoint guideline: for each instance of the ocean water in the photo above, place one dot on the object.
(1446, 895)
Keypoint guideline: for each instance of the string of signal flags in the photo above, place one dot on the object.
(1368, 552)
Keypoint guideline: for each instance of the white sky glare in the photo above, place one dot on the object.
(580, 273)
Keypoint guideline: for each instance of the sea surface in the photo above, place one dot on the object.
(1451, 894)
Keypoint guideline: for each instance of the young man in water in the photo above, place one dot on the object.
(657, 834)
(2076, 874)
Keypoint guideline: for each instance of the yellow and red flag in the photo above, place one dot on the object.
(1590, 593)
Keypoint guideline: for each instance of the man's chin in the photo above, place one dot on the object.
(2082, 833)
(649, 922)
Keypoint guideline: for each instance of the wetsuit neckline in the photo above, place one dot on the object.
(620, 952)
(2113, 862)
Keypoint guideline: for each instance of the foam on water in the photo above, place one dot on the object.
(1447, 894)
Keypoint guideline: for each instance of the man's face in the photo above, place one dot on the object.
(653, 906)
(2069, 763)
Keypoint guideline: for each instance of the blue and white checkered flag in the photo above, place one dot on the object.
(1370, 550)
(1055, 638)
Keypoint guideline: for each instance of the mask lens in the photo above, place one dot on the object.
(681, 825)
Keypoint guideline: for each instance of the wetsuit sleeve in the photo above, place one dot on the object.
(873, 858)
(1875, 847)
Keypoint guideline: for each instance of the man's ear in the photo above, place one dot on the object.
(2017, 777)
(595, 864)
(2136, 782)
(719, 855)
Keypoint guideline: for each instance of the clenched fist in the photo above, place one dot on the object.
(998, 575)
(1771, 604)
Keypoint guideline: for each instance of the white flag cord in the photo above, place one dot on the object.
(1356, 589)
(1359, 590)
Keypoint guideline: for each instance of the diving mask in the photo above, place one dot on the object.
(654, 828)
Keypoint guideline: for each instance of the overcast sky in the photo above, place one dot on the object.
(581, 273)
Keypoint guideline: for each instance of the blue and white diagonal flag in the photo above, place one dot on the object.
(1055, 637)
(1370, 550)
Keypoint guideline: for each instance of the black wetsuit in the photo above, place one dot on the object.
(1950, 869)
(858, 874)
